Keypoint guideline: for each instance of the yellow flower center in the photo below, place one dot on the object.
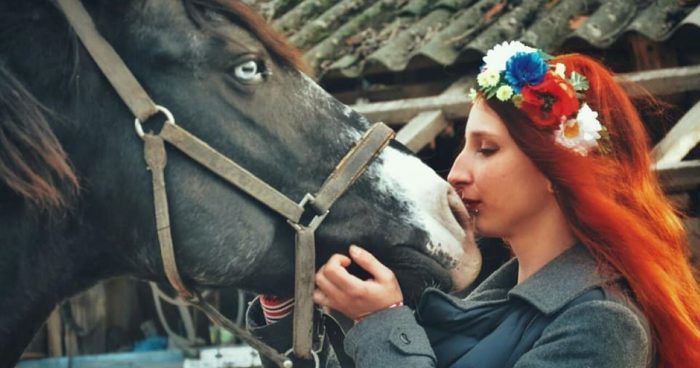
(571, 129)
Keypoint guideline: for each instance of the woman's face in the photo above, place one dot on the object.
(498, 183)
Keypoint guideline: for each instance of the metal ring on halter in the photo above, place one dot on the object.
(316, 221)
(317, 362)
(168, 115)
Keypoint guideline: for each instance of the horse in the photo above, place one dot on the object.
(76, 204)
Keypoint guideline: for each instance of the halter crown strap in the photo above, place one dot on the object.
(112, 66)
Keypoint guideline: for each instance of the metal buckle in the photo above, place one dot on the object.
(317, 361)
(168, 115)
(316, 220)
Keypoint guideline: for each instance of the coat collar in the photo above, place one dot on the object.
(560, 281)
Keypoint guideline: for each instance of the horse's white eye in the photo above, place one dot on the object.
(249, 71)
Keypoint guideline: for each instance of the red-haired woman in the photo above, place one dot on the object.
(556, 162)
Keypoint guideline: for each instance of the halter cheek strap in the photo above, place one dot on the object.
(348, 170)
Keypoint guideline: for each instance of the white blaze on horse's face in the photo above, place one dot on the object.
(426, 196)
(432, 206)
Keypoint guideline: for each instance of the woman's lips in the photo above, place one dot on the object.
(472, 206)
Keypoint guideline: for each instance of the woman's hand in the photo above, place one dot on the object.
(348, 294)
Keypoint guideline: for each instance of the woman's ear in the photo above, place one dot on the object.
(550, 187)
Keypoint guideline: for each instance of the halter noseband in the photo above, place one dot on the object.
(352, 166)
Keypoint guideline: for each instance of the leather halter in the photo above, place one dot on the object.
(345, 173)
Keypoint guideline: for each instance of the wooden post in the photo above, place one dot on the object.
(422, 130)
(89, 313)
(682, 138)
(53, 334)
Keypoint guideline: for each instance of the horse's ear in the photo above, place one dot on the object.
(32, 162)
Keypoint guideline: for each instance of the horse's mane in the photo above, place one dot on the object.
(276, 44)
(32, 161)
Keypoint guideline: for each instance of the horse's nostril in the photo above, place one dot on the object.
(459, 211)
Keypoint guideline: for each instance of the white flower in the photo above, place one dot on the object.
(581, 134)
(488, 78)
(498, 56)
(504, 93)
(560, 70)
(472, 94)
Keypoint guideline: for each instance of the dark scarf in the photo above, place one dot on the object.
(493, 334)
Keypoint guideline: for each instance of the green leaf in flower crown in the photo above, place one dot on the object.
(578, 81)
(544, 55)
(491, 92)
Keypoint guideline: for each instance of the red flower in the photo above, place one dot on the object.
(548, 101)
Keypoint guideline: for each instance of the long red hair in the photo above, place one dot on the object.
(617, 209)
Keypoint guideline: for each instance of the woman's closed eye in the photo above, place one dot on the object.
(487, 150)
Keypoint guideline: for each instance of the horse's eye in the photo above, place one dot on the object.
(250, 71)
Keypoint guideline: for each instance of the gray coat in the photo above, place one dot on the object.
(607, 332)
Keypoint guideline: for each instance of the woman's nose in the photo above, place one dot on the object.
(460, 173)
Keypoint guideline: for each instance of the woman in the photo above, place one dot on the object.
(556, 162)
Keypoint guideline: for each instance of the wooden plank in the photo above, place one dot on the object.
(682, 138)
(54, 333)
(662, 81)
(460, 86)
(680, 176)
(123, 311)
(89, 313)
(455, 106)
(422, 130)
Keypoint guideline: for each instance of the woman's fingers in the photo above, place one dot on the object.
(327, 286)
(337, 274)
(339, 290)
(335, 281)
(339, 259)
(367, 261)
(320, 298)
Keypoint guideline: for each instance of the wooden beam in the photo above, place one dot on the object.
(680, 176)
(682, 138)
(662, 81)
(455, 106)
(422, 130)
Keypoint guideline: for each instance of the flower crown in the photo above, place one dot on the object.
(522, 75)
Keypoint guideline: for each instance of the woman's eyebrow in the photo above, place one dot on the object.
(481, 134)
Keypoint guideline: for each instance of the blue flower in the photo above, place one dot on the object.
(525, 68)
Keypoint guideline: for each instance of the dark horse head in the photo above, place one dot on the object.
(76, 203)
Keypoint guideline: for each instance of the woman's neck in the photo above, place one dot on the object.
(541, 240)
